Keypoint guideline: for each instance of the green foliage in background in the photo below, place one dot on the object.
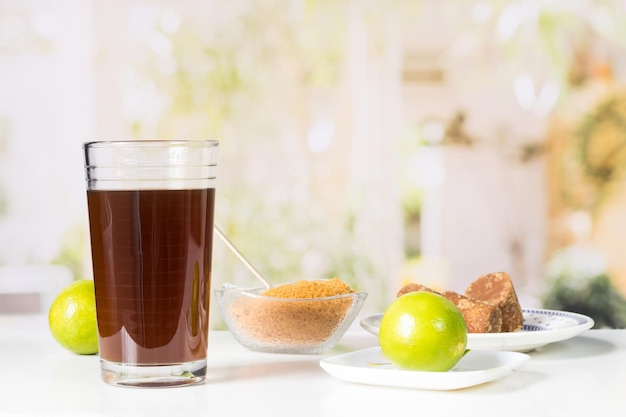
(601, 149)
(577, 281)
(229, 71)
(599, 300)
(249, 81)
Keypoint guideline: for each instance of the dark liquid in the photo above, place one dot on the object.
(151, 253)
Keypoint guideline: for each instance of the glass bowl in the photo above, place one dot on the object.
(287, 325)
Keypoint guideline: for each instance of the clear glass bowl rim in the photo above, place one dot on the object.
(254, 293)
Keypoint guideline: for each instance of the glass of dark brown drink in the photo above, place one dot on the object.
(151, 207)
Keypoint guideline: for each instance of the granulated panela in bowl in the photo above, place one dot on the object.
(305, 313)
(309, 289)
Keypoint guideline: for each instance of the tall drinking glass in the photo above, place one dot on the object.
(151, 207)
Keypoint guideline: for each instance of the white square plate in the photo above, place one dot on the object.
(370, 366)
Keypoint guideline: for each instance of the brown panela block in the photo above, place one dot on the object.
(479, 317)
(412, 288)
(497, 288)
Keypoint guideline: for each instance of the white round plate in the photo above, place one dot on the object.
(370, 366)
(540, 328)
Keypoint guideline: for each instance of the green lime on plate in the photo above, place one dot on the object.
(423, 331)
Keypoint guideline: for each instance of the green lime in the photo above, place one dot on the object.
(72, 318)
(423, 331)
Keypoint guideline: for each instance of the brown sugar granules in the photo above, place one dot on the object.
(293, 314)
(309, 289)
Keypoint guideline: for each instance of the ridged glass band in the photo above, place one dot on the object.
(150, 164)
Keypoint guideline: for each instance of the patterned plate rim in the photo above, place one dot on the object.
(581, 320)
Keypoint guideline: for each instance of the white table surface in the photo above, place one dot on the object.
(582, 376)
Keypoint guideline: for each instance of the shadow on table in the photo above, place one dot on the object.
(576, 348)
(262, 370)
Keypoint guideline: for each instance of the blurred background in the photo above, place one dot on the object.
(379, 141)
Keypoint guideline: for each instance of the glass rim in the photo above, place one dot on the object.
(150, 143)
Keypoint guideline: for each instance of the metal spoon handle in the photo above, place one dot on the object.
(242, 258)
